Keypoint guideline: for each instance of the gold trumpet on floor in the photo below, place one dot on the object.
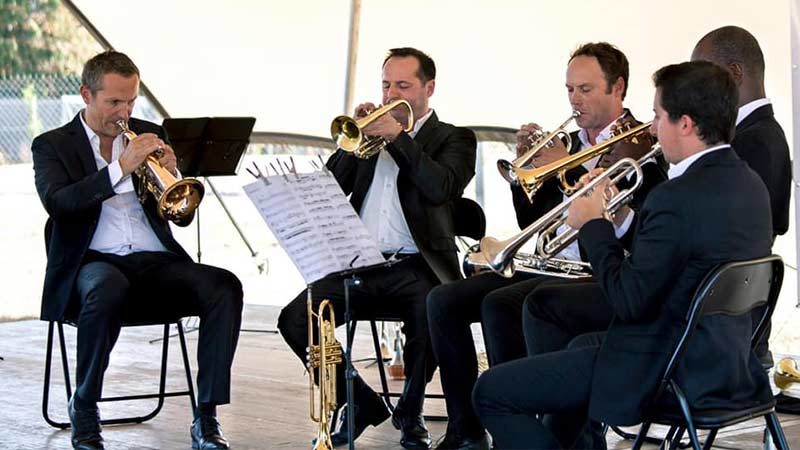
(786, 373)
(322, 357)
(348, 135)
(176, 199)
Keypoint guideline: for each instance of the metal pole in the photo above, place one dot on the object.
(352, 54)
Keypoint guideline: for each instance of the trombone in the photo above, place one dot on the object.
(348, 135)
(502, 256)
(531, 179)
(539, 141)
(176, 199)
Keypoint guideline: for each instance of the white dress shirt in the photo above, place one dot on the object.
(382, 212)
(747, 109)
(677, 170)
(123, 227)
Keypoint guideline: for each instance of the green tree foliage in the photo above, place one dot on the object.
(42, 37)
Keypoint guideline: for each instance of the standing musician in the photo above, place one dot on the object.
(110, 258)
(759, 139)
(596, 80)
(404, 196)
(677, 242)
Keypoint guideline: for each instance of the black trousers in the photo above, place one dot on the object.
(557, 312)
(149, 286)
(397, 291)
(496, 303)
(554, 385)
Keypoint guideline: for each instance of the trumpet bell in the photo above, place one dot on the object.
(506, 169)
(346, 132)
(180, 199)
(786, 373)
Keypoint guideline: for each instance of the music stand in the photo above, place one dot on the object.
(207, 147)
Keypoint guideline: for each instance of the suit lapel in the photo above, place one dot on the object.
(758, 114)
(81, 146)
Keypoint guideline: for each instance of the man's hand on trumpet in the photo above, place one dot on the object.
(140, 148)
(593, 205)
(527, 136)
(634, 147)
(385, 126)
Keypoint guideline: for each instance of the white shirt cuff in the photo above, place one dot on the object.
(117, 180)
(622, 229)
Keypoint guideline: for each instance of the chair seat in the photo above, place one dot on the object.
(714, 418)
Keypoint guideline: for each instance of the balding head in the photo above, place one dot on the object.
(737, 50)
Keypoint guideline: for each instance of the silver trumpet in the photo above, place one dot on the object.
(503, 257)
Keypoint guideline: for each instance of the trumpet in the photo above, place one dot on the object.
(322, 357)
(531, 179)
(176, 199)
(786, 373)
(501, 256)
(348, 135)
(539, 141)
(529, 263)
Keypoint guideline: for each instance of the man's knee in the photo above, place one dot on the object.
(292, 317)
(441, 303)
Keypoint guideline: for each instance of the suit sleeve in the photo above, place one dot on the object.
(442, 175)
(653, 176)
(546, 198)
(634, 286)
(343, 167)
(61, 196)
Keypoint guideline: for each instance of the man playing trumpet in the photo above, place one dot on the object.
(596, 81)
(404, 195)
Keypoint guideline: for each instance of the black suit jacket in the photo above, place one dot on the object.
(72, 191)
(716, 212)
(435, 167)
(759, 140)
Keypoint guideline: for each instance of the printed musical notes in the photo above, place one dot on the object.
(313, 221)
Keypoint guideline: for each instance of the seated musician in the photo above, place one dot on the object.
(404, 196)
(112, 258)
(596, 80)
(686, 227)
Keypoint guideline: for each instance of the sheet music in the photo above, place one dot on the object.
(313, 221)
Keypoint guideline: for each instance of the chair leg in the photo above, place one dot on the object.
(48, 365)
(710, 439)
(675, 441)
(186, 367)
(687, 415)
(381, 368)
(776, 431)
(640, 438)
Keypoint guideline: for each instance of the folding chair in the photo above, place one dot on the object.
(731, 289)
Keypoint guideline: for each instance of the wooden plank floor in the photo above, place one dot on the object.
(269, 408)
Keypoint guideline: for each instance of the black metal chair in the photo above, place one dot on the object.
(731, 289)
(161, 394)
(468, 220)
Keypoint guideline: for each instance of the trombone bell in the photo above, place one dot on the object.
(786, 373)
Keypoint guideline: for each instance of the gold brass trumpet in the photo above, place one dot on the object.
(539, 141)
(531, 179)
(322, 357)
(786, 373)
(176, 199)
(502, 256)
(348, 135)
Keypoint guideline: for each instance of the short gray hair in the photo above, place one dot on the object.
(105, 63)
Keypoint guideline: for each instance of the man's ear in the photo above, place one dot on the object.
(430, 86)
(737, 71)
(618, 87)
(86, 94)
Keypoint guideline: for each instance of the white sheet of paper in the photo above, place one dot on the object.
(313, 221)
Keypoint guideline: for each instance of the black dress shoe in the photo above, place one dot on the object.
(413, 433)
(85, 428)
(453, 441)
(207, 434)
(374, 414)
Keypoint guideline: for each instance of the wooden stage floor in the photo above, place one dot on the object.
(269, 408)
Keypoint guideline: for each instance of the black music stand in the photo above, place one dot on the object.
(351, 279)
(208, 147)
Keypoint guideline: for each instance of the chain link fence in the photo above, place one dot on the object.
(33, 104)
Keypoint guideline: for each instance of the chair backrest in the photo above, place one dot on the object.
(732, 289)
(468, 219)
